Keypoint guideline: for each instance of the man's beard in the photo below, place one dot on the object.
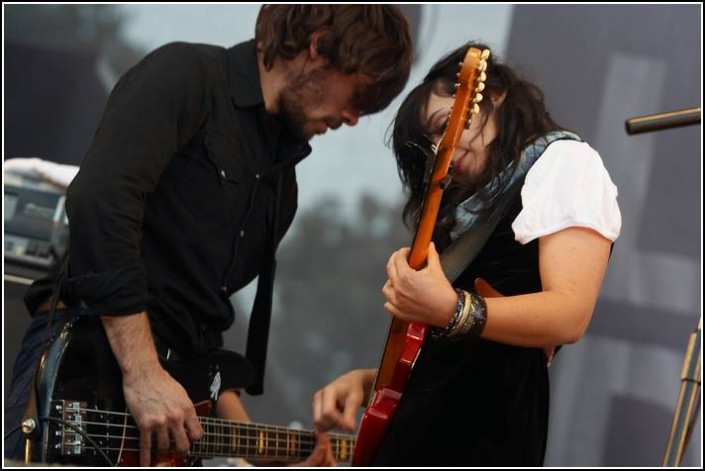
(303, 92)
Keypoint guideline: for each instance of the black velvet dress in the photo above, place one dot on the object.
(477, 402)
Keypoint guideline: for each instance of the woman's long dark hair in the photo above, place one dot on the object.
(520, 117)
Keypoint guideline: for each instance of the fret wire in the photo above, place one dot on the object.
(275, 441)
(219, 438)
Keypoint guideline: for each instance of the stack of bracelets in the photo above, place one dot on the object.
(468, 320)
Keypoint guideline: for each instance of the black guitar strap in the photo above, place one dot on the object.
(30, 419)
(456, 258)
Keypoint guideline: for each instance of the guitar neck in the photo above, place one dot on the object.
(224, 438)
(405, 336)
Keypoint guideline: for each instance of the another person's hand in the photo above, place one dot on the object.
(322, 455)
(336, 405)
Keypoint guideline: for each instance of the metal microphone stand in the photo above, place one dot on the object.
(687, 406)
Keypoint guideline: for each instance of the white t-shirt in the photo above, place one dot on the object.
(568, 186)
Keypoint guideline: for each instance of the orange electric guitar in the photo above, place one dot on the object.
(404, 339)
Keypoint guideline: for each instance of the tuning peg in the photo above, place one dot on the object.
(482, 66)
(485, 54)
(475, 109)
(482, 77)
(480, 86)
(456, 85)
(478, 98)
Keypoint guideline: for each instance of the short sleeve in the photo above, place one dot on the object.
(568, 186)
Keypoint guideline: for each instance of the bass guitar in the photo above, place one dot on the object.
(83, 420)
(404, 339)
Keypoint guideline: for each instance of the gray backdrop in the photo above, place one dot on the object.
(614, 393)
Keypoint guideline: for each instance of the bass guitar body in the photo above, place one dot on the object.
(83, 419)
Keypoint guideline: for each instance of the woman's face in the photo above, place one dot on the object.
(470, 156)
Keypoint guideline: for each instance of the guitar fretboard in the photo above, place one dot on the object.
(225, 438)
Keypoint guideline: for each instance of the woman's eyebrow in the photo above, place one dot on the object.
(431, 119)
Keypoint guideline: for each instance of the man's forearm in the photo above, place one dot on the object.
(131, 340)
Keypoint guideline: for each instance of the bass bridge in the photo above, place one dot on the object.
(68, 419)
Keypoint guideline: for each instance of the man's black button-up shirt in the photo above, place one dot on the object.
(173, 205)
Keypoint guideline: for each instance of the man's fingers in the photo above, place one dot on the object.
(181, 441)
(145, 447)
(162, 442)
(194, 428)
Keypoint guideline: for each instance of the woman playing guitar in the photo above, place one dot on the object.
(477, 393)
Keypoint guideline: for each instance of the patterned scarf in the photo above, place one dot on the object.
(467, 213)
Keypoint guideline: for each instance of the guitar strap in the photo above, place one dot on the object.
(456, 258)
(472, 231)
(30, 416)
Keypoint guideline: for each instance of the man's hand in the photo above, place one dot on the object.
(163, 411)
(159, 405)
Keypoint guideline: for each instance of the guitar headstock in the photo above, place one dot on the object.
(468, 88)
(468, 94)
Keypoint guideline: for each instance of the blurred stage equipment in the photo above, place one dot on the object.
(35, 225)
(688, 404)
(687, 407)
(36, 234)
(667, 120)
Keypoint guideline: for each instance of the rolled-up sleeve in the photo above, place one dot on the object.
(153, 111)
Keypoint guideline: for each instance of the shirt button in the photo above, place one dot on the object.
(257, 176)
(222, 173)
(242, 234)
(224, 289)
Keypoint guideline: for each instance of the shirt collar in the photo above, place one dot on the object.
(243, 75)
(243, 80)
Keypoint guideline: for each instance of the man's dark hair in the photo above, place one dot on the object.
(372, 40)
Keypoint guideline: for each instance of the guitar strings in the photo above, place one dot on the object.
(228, 423)
(220, 429)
